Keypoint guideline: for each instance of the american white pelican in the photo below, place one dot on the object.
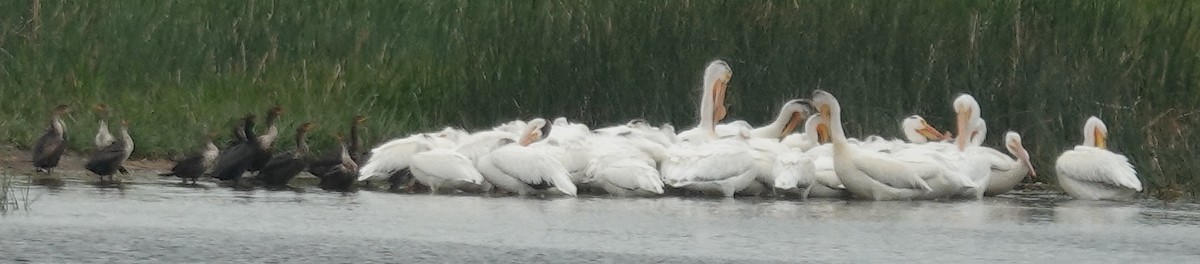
(1008, 174)
(967, 113)
(568, 144)
(815, 132)
(442, 167)
(823, 181)
(392, 157)
(1092, 172)
(700, 161)
(867, 174)
(640, 128)
(917, 131)
(794, 169)
(765, 141)
(515, 167)
(622, 169)
(791, 116)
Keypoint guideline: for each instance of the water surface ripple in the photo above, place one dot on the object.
(160, 222)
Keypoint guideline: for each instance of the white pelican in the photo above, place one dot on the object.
(701, 162)
(1008, 174)
(867, 174)
(794, 169)
(1092, 172)
(515, 167)
(917, 131)
(568, 144)
(815, 134)
(640, 128)
(765, 141)
(827, 184)
(442, 167)
(390, 158)
(791, 116)
(622, 169)
(968, 120)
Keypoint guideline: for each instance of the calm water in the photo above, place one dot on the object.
(157, 221)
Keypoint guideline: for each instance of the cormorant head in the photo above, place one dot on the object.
(305, 127)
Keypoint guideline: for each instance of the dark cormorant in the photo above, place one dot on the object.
(285, 166)
(339, 172)
(232, 163)
(103, 137)
(266, 140)
(49, 148)
(333, 159)
(194, 165)
(107, 161)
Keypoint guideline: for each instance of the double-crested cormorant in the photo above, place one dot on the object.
(266, 140)
(285, 166)
(192, 166)
(49, 148)
(103, 137)
(232, 163)
(336, 159)
(107, 161)
(354, 147)
(339, 172)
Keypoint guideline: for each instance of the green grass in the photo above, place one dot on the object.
(1037, 67)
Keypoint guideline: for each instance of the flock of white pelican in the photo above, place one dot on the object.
(538, 157)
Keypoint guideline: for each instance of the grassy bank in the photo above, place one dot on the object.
(1037, 67)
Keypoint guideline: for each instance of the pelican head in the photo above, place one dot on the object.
(830, 113)
(916, 130)
(817, 129)
(795, 111)
(1012, 141)
(716, 80)
(826, 105)
(535, 130)
(1095, 133)
(966, 109)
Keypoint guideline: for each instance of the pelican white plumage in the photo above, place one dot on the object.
(515, 167)
(1092, 172)
(392, 157)
(1006, 175)
(443, 167)
(622, 169)
(791, 116)
(813, 135)
(765, 141)
(701, 161)
(867, 174)
(794, 169)
(568, 144)
(823, 181)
